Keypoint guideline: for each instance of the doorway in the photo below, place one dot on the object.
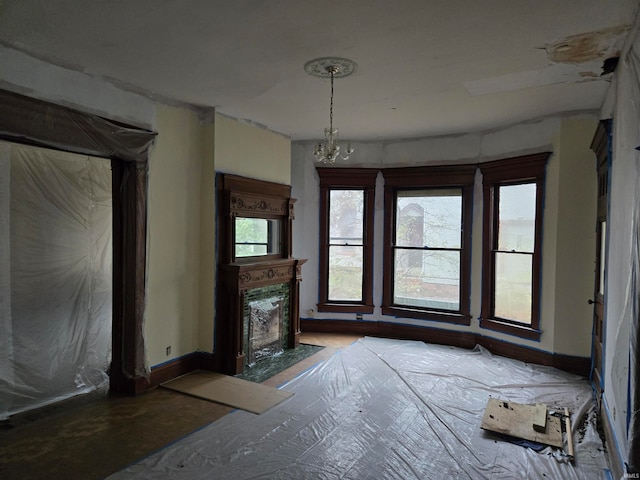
(56, 288)
(27, 120)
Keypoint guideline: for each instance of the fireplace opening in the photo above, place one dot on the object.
(266, 332)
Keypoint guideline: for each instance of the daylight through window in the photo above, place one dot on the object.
(427, 249)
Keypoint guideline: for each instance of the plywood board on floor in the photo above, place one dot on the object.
(231, 391)
(515, 419)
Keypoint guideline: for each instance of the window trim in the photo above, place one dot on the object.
(511, 171)
(332, 178)
(428, 177)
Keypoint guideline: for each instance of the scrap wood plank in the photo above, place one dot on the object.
(540, 417)
(515, 419)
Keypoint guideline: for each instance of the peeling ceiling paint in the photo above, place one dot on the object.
(589, 46)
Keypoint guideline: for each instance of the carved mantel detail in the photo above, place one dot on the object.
(245, 276)
(248, 204)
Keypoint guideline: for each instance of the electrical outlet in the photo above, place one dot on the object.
(168, 350)
(358, 316)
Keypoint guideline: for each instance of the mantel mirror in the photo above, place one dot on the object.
(257, 237)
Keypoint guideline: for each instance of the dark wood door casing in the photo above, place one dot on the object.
(600, 145)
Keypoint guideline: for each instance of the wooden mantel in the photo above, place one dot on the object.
(245, 197)
(241, 277)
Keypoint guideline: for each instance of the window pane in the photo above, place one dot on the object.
(517, 215)
(346, 222)
(428, 279)
(250, 250)
(429, 218)
(253, 230)
(345, 273)
(513, 286)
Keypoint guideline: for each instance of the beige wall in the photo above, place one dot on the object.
(576, 238)
(172, 315)
(252, 152)
(207, 241)
(180, 308)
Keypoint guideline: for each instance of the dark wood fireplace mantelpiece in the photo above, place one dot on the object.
(241, 197)
(237, 279)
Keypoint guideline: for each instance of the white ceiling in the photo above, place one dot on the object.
(425, 67)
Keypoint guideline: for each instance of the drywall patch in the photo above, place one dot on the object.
(588, 47)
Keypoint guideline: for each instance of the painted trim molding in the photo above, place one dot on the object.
(568, 363)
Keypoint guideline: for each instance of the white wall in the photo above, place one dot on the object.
(571, 170)
(623, 267)
(30, 76)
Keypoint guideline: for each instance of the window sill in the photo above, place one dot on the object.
(522, 331)
(345, 308)
(408, 312)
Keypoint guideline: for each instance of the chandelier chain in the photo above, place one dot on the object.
(331, 105)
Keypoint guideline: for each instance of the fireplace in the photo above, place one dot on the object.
(258, 282)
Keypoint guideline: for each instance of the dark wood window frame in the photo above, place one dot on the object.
(345, 179)
(436, 177)
(511, 171)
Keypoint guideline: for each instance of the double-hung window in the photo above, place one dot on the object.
(513, 194)
(427, 251)
(346, 239)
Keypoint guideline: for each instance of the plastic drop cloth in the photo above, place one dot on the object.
(55, 276)
(384, 409)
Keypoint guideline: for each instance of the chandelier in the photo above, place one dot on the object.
(328, 151)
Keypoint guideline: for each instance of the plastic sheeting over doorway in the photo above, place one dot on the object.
(385, 409)
(55, 275)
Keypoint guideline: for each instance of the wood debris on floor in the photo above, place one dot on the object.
(535, 423)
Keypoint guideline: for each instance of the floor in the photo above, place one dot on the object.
(97, 435)
(385, 409)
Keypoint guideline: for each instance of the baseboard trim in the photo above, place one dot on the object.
(572, 364)
(180, 366)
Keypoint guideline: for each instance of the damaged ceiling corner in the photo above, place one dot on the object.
(588, 47)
